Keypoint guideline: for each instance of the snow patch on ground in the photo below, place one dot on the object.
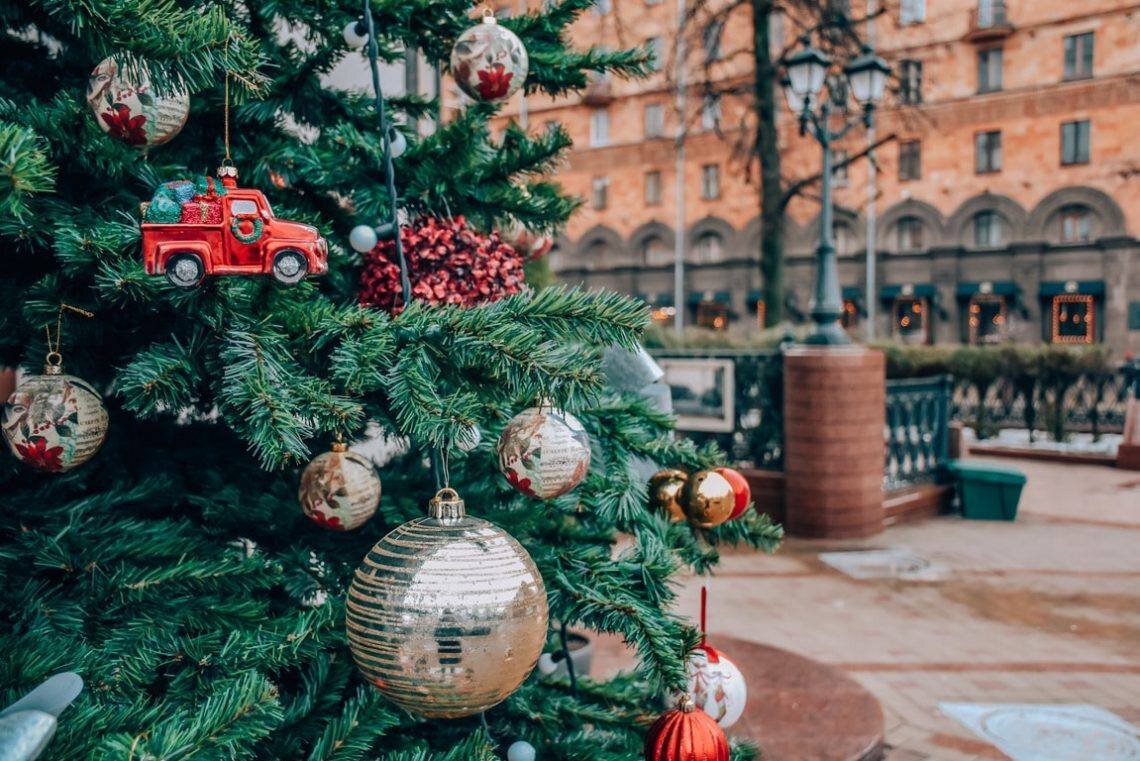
(1077, 443)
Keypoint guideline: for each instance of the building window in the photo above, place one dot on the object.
(908, 235)
(654, 120)
(656, 53)
(1079, 56)
(599, 128)
(991, 13)
(710, 113)
(910, 81)
(1076, 224)
(989, 230)
(912, 12)
(989, 70)
(986, 319)
(709, 248)
(550, 126)
(910, 319)
(602, 7)
(654, 252)
(910, 160)
(597, 253)
(711, 38)
(653, 188)
(776, 34)
(839, 168)
(1074, 318)
(710, 182)
(1075, 139)
(653, 2)
(987, 152)
(712, 315)
(600, 193)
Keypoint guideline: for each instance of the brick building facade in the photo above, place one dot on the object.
(1007, 201)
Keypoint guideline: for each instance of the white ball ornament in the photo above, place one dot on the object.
(339, 489)
(356, 34)
(716, 685)
(398, 142)
(54, 422)
(521, 750)
(489, 62)
(128, 110)
(468, 437)
(544, 452)
(363, 239)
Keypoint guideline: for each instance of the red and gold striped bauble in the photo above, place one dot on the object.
(686, 734)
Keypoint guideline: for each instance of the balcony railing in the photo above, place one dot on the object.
(989, 21)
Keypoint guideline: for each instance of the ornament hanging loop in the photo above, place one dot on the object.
(53, 361)
(488, 14)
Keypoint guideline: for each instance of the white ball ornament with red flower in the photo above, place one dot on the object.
(489, 62)
(544, 452)
(54, 422)
(339, 489)
(716, 685)
(127, 108)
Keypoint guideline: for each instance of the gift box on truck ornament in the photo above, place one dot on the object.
(192, 229)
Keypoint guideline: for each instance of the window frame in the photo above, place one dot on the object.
(597, 138)
(910, 223)
(659, 109)
(995, 223)
(1079, 216)
(710, 191)
(655, 199)
(985, 83)
(909, 161)
(600, 189)
(912, 12)
(910, 81)
(1082, 56)
(988, 143)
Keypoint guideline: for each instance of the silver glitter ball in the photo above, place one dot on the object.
(447, 614)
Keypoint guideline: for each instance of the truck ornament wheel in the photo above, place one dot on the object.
(289, 267)
(185, 270)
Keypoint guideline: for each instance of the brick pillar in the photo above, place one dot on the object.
(834, 415)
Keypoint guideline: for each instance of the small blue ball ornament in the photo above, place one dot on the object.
(521, 750)
(362, 239)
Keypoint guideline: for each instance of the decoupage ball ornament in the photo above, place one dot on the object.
(488, 61)
(127, 109)
(665, 491)
(521, 750)
(707, 498)
(54, 422)
(716, 685)
(544, 452)
(339, 489)
(686, 734)
(447, 614)
(740, 488)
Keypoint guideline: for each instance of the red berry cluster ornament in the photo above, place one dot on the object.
(448, 263)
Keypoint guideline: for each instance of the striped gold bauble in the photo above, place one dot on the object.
(339, 489)
(447, 614)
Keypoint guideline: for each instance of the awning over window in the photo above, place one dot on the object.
(698, 297)
(755, 297)
(1084, 287)
(658, 300)
(853, 293)
(909, 290)
(987, 287)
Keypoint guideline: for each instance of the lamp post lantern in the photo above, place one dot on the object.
(806, 72)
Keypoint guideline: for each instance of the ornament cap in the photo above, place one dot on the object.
(686, 704)
(489, 15)
(446, 506)
(339, 446)
(228, 174)
(53, 363)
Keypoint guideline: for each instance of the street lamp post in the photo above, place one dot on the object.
(806, 72)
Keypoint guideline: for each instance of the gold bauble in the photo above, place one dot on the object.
(54, 422)
(339, 489)
(447, 614)
(707, 498)
(665, 490)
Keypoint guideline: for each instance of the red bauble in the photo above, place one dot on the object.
(686, 734)
(740, 489)
(448, 263)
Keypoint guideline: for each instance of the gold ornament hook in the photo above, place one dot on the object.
(488, 14)
(53, 361)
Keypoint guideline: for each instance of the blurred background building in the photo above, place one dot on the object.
(1006, 194)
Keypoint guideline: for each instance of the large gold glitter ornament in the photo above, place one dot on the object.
(339, 489)
(447, 614)
(664, 492)
(708, 498)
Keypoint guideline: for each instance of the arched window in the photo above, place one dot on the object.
(654, 251)
(909, 235)
(597, 253)
(1075, 224)
(989, 229)
(709, 247)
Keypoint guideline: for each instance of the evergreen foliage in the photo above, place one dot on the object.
(175, 571)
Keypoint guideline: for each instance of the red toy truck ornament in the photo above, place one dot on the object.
(192, 230)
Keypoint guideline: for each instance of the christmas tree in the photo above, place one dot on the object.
(175, 571)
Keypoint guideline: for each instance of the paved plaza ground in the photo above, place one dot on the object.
(1043, 610)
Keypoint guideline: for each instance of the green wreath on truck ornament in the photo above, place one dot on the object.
(246, 238)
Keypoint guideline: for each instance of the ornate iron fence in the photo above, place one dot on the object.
(1094, 403)
(917, 430)
(757, 438)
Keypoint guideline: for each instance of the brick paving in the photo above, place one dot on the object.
(1044, 610)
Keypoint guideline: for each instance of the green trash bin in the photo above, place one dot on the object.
(987, 492)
